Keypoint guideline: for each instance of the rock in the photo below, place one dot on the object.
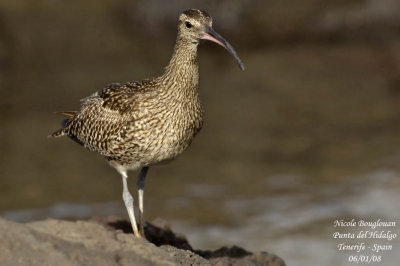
(184, 257)
(107, 242)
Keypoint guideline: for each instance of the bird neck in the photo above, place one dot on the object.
(183, 68)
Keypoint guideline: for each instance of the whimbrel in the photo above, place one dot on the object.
(139, 124)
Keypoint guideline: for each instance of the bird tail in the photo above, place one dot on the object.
(61, 132)
(58, 133)
(68, 114)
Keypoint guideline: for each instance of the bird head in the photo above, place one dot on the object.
(196, 25)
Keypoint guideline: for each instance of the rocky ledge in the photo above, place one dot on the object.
(108, 241)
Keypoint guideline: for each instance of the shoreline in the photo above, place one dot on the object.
(109, 241)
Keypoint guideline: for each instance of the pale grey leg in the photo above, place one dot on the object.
(140, 184)
(128, 199)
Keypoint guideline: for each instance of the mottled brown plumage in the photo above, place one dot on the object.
(138, 124)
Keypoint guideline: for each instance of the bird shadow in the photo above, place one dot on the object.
(159, 233)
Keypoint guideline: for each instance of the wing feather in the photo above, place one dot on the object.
(106, 117)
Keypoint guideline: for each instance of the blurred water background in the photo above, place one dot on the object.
(309, 133)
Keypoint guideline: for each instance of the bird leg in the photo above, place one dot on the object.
(128, 199)
(140, 185)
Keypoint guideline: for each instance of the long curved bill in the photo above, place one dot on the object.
(213, 36)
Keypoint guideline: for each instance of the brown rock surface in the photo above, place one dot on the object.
(104, 242)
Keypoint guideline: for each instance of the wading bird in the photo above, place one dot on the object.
(143, 123)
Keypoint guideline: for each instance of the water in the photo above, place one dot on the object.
(294, 225)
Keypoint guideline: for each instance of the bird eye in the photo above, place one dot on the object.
(188, 24)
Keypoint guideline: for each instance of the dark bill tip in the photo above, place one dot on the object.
(213, 36)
